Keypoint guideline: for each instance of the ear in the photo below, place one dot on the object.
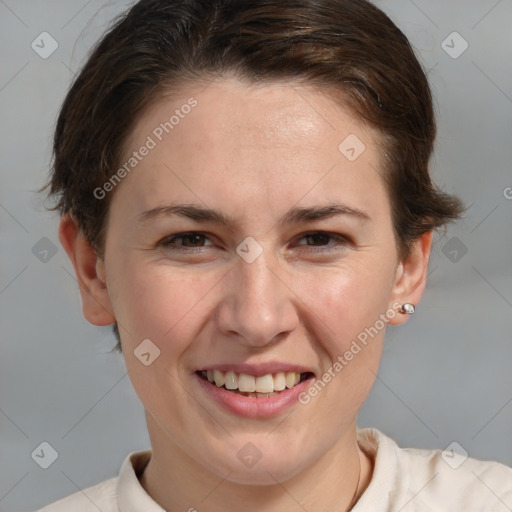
(411, 276)
(90, 273)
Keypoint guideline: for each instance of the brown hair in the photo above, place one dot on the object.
(348, 46)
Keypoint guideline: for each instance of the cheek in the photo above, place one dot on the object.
(158, 303)
(166, 303)
(348, 300)
(165, 306)
(348, 304)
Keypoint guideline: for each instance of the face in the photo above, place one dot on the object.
(245, 241)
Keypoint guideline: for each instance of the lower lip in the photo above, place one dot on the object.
(254, 407)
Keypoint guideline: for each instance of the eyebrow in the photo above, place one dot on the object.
(293, 216)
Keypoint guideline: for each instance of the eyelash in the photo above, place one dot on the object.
(167, 242)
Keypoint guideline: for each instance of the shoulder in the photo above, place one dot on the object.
(120, 493)
(102, 496)
(425, 480)
(449, 478)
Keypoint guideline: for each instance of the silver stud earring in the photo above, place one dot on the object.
(407, 308)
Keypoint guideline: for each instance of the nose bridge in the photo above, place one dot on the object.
(258, 306)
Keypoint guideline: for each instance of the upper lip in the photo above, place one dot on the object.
(257, 369)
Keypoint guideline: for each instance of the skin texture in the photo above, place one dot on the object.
(252, 152)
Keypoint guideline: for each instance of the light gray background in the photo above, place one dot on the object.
(445, 376)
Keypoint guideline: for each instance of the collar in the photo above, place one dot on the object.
(131, 496)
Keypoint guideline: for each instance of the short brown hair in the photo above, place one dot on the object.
(348, 46)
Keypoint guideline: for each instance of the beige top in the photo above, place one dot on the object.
(405, 480)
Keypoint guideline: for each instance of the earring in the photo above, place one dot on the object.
(407, 308)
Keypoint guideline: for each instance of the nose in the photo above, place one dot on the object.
(258, 304)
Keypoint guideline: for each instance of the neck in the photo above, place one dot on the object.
(333, 482)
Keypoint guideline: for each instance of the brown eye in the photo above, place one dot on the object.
(190, 239)
(319, 239)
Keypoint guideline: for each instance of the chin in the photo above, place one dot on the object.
(247, 465)
(261, 474)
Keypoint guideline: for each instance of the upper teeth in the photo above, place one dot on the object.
(249, 383)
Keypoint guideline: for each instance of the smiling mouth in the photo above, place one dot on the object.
(263, 386)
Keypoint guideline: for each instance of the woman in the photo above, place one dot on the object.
(245, 195)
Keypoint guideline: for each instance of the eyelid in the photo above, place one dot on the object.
(336, 236)
(169, 239)
(339, 240)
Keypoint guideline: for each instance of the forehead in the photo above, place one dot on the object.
(280, 111)
(227, 142)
